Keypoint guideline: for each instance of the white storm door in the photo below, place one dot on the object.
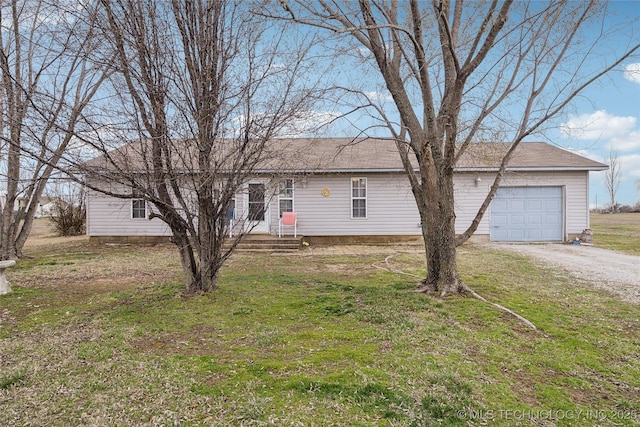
(256, 207)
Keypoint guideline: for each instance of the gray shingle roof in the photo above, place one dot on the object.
(374, 155)
(378, 154)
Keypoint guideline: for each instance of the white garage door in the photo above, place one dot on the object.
(527, 214)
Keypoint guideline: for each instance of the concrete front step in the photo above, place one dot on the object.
(268, 251)
(266, 243)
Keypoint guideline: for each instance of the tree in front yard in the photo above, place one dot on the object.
(50, 69)
(462, 73)
(200, 88)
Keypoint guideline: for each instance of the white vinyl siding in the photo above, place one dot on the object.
(109, 216)
(359, 198)
(391, 209)
(285, 197)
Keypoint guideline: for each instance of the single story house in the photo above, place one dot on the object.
(46, 207)
(358, 190)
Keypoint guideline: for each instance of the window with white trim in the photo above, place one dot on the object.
(138, 209)
(285, 197)
(358, 197)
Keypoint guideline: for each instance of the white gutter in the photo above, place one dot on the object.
(456, 170)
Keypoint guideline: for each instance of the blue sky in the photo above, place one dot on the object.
(606, 119)
(609, 119)
(606, 116)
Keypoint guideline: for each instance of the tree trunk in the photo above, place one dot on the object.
(11, 222)
(207, 234)
(8, 232)
(439, 235)
(449, 279)
(430, 230)
(188, 261)
(30, 213)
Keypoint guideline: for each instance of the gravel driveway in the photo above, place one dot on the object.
(605, 269)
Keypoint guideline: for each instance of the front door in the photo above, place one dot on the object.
(257, 208)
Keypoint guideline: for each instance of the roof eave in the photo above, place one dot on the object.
(538, 169)
(457, 170)
(333, 170)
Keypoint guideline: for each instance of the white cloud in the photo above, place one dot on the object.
(630, 166)
(629, 163)
(304, 123)
(598, 125)
(627, 193)
(307, 122)
(32, 14)
(379, 96)
(628, 142)
(632, 72)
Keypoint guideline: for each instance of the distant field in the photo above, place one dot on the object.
(617, 231)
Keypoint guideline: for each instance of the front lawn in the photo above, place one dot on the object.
(104, 336)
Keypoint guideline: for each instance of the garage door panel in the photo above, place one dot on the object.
(534, 234)
(516, 235)
(517, 220)
(517, 205)
(534, 219)
(501, 220)
(553, 220)
(501, 205)
(534, 205)
(532, 191)
(509, 192)
(501, 235)
(521, 214)
(550, 192)
(553, 205)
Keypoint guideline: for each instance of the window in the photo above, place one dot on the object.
(138, 209)
(285, 197)
(358, 197)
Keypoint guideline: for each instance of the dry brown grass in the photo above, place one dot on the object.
(75, 264)
(43, 236)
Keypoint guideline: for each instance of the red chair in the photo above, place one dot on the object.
(289, 219)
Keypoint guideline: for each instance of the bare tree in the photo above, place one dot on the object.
(460, 73)
(46, 81)
(612, 178)
(203, 87)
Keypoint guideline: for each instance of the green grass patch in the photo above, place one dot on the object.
(315, 340)
(619, 232)
(8, 380)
